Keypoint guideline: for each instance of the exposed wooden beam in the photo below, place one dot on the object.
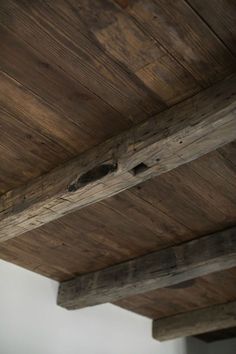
(160, 269)
(195, 322)
(220, 334)
(170, 139)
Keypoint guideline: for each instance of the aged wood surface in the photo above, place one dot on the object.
(74, 74)
(196, 322)
(112, 231)
(212, 289)
(86, 71)
(220, 16)
(181, 31)
(170, 139)
(160, 269)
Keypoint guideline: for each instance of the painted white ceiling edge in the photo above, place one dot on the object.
(32, 323)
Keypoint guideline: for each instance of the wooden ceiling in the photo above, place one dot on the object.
(74, 73)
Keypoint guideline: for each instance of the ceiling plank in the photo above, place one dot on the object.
(196, 322)
(170, 139)
(156, 270)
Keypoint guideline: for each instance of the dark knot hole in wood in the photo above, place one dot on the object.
(139, 169)
(92, 175)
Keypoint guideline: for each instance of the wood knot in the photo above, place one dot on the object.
(91, 176)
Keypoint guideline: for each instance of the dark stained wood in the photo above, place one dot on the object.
(213, 289)
(125, 41)
(220, 16)
(174, 137)
(222, 334)
(62, 43)
(176, 26)
(50, 50)
(98, 241)
(196, 322)
(66, 96)
(156, 270)
(76, 73)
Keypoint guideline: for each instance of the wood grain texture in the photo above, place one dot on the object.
(59, 54)
(179, 29)
(172, 138)
(66, 96)
(125, 41)
(196, 322)
(63, 42)
(113, 230)
(215, 288)
(156, 270)
(220, 15)
(61, 59)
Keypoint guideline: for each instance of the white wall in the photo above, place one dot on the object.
(32, 323)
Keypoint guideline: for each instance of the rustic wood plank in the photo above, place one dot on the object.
(127, 43)
(65, 95)
(170, 139)
(179, 29)
(214, 318)
(63, 42)
(220, 15)
(156, 270)
(212, 289)
(97, 237)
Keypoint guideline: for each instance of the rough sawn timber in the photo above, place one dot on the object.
(196, 322)
(172, 138)
(153, 271)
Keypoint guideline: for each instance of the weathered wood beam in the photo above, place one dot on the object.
(196, 322)
(156, 270)
(172, 138)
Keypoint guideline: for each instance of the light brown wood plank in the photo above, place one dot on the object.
(126, 42)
